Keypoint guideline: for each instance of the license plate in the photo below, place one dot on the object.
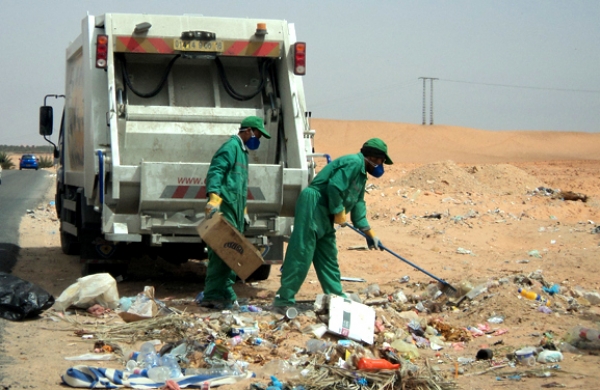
(193, 45)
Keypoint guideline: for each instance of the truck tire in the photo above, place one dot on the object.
(90, 269)
(69, 243)
(262, 273)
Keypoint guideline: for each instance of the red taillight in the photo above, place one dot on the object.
(101, 51)
(300, 58)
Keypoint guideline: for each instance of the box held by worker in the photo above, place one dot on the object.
(231, 246)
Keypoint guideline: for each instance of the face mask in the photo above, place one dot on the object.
(253, 143)
(377, 169)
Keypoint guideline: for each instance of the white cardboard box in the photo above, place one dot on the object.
(351, 319)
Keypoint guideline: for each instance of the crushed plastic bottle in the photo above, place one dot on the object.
(477, 291)
(314, 345)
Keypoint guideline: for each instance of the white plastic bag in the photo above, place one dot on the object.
(90, 290)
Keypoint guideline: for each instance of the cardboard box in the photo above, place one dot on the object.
(351, 319)
(231, 246)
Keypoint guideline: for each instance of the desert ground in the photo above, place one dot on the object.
(504, 209)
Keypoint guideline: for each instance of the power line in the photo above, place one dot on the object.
(523, 86)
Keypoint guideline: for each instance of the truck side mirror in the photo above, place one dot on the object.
(46, 119)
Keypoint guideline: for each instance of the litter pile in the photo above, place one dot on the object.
(396, 339)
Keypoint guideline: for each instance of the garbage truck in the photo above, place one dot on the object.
(148, 100)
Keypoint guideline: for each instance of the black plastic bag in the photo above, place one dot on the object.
(20, 299)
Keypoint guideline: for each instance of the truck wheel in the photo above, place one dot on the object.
(262, 273)
(69, 244)
(90, 269)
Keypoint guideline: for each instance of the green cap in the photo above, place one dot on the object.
(375, 147)
(256, 123)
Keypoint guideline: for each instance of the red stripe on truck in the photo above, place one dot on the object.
(180, 192)
(265, 49)
(160, 45)
(236, 48)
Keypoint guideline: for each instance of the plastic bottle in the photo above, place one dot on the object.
(147, 357)
(212, 371)
(159, 374)
(376, 364)
(314, 345)
(170, 362)
(534, 296)
(477, 291)
(131, 365)
(261, 341)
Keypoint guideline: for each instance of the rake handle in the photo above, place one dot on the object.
(404, 260)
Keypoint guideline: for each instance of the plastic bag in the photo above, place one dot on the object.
(20, 299)
(90, 290)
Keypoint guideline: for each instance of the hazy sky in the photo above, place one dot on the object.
(501, 65)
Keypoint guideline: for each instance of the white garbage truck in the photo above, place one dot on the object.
(148, 100)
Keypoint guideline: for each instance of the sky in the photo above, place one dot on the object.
(498, 65)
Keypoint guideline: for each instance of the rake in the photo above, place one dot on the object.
(446, 287)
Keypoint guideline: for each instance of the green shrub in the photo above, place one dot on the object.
(5, 161)
(46, 162)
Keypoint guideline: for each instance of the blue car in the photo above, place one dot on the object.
(29, 161)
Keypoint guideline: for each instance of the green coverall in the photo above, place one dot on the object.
(339, 186)
(228, 177)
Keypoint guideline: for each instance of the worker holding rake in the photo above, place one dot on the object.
(338, 189)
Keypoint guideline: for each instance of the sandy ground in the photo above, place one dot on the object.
(459, 203)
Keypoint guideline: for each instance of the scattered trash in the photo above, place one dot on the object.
(90, 290)
(549, 356)
(484, 354)
(534, 296)
(349, 279)
(535, 253)
(20, 299)
(525, 356)
(351, 319)
(463, 251)
(496, 320)
(555, 289)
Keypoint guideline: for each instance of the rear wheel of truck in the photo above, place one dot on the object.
(262, 273)
(69, 243)
(90, 269)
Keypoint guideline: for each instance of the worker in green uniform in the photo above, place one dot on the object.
(227, 189)
(337, 190)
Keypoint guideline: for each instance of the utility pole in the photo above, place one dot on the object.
(430, 98)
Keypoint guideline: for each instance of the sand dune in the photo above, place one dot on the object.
(410, 143)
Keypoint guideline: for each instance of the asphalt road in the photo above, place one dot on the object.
(19, 191)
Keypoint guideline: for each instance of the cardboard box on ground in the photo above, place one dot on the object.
(231, 246)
